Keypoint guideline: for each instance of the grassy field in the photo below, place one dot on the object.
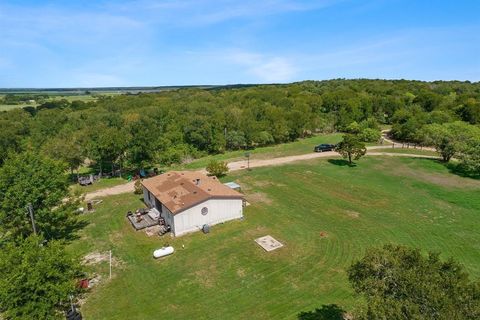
(101, 184)
(74, 97)
(325, 213)
(408, 150)
(287, 149)
(300, 146)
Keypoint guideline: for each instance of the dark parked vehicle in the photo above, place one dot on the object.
(324, 147)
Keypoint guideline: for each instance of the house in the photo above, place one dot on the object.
(190, 200)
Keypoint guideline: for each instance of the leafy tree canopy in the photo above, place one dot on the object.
(30, 178)
(351, 147)
(36, 280)
(398, 282)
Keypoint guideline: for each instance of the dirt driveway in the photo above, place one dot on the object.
(240, 165)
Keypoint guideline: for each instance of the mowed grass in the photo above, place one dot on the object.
(100, 184)
(326, 214)
(300, 146)
(407, 150)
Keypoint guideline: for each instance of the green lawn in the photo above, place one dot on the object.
(300, 146)
(8, 107)
(225, 275)
(101, 184)
(407, 150)
(72, 97)
(297, 147)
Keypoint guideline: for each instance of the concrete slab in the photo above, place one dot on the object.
(268, 243)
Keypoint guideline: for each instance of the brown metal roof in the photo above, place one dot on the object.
(180, 190)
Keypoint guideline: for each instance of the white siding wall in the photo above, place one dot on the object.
(167, 215)
(147, 201)
(164, 212)
(219, 210)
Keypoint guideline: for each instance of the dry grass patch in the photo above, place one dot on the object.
(258, 197)
(241, 272)
(206, 277)
(94, 258)
(352, 214)
(441, 179)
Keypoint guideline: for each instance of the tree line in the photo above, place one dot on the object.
(37, 146)
(168, 127)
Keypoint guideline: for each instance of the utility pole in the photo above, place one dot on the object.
(32, 218)
(71, 303)
(247, 154)
(110, 264)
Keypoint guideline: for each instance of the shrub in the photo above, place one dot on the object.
(138, 187)
(370, 135)
(217, 168)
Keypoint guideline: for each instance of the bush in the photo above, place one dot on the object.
(263, 138)
(217, 168)
(370, 135)
(138, 187)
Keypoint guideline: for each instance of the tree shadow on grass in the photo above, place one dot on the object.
(342, 163)
(460, 170)
(68, 232)
(326, 312)
(455, 168)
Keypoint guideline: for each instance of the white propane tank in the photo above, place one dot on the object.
(162, 252)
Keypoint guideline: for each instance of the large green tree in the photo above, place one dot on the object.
(37, 279)
(351, 147)
(31, 178)
(398, 282)
(449, 139)
(107, 145)
(67, 147)
(470, 157)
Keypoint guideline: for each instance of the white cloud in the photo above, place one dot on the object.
(208, 12)
(88, 80)
(264, 67)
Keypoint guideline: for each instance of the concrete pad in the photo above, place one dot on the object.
(268, 243)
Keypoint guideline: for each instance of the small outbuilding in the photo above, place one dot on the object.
(233, 185)
(188, 200)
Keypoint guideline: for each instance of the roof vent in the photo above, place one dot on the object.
(194, 192)
(209, 189)
(197, 182)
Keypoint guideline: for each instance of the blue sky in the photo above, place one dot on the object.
(165, 42)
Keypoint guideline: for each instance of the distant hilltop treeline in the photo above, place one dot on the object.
(140, 89)
(86, 90)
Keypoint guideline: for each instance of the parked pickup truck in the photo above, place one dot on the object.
(324, 147)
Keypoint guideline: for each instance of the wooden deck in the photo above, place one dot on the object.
(142, 224)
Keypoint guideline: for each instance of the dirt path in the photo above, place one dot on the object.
(240, 165)
(386, 138)
(121, 188)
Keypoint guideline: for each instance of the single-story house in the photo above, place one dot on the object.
(190, 200)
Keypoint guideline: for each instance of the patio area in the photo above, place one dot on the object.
(142, 218)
